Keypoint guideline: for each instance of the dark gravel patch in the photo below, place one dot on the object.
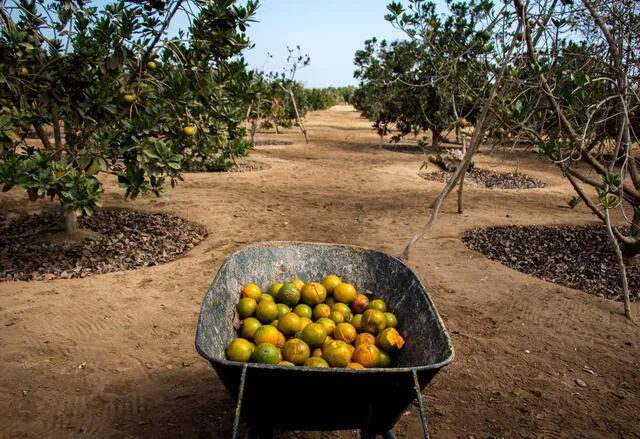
(488, 179)
(576, 257)
(245, 166)
(271, 142)
(127, 240)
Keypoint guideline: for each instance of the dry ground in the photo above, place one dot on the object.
(113, 355)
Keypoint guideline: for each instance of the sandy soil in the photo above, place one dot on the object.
(113, 355)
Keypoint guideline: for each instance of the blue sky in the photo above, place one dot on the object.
(330, 31)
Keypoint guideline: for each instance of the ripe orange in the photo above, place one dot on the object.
(245, 307)
(239, 350)
(267, 353)
(313, 293)
(364, 338)
(314, 335)
(296, 351)
(355, 366)
(251, 290)
(285, 363)
(151, 65)
(266, 334)
(366, 354)
(266, 311)
(321, 310)
(249, 327)
(360, 303)
(344, 293)
(189, 131)
(345, 332)
(330, 282)
(373, 321)
(299, 283)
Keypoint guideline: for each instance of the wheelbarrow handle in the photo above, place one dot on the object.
(423, 412)
(236, 419)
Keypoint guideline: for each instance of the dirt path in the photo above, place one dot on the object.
(113, 355)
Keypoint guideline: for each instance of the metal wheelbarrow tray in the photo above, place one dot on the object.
(324, 399)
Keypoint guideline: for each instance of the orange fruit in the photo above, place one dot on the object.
(378, 304)
(366, 354)
(364, 338)
(355, 366)
(392, 320)
(249, 327)
(296, 351)
(314, 335)
(336, 316)
(274, 288)
(330, 282)
(267, 311)
(337, 353)
(289, 294)
(373, 321)
(329, 325)
(342, 309)
(245, 307)
(344, 292)
(390, 340)
(281, 340)
(345, 332)
(189, 130)
(299, 283)
(289, 324)
(321, 310)
(267, 353)
(356, 321)
(285, 363)
(304, 322)
(283, 309)
(266, 334)
(313, 293)
(151, 65)
(251, 290)
(303, 310)
(239, 349)
(316, 362)
(385, 359)
(359, 304)
(267, 297)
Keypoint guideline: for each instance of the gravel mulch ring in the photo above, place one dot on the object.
(488, 179)
(410, 148)
(244, 166)
(271, 142)
(576, 257)
(120, 239)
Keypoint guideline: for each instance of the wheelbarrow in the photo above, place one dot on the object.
(371, 400)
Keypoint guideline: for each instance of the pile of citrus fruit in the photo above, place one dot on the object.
(314, 324)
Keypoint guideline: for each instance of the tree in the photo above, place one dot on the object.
(117, 95)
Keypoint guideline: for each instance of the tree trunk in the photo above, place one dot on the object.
(624, 285)
(460, 187)
(436, 138)
(70, 222)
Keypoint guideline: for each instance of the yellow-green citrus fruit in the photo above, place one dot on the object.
(266, 297)
(296, 351)
(189, 131)
(378, 304)
(355, 366)
(330, 282)
(285, 363)
(385, 359)
(283, 309)
(128, 98)
(314, 335)
(336, 316)
(342, 308)
(390, 340)
(317, 352)
(266, 334)
(251, 290)
(313, 293)
(364, 338)
(337, 353)
(267, 311)
(239, 350)
(249, 327)
(151, 65)
(355, 321)
(392, 321)
(304, 322)
(321, 310)
(274, 288)
(345, 332)
(373, 321)
(303, 310)
(316, 362)
(289, 324)
(299, 283)
(267, 353)
(344, 293)
(329, 325)
(245, 307)
(289, 294)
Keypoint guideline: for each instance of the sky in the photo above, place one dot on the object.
(330, 31)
